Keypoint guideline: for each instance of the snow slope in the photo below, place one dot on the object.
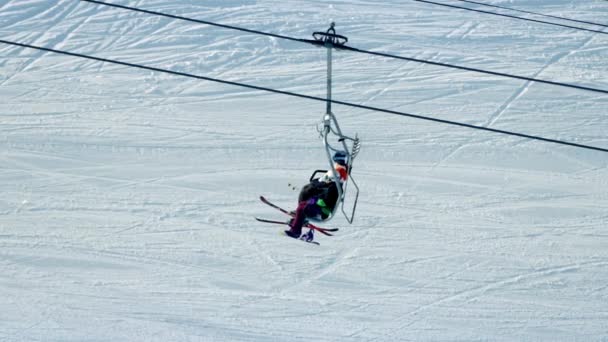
(128, 196)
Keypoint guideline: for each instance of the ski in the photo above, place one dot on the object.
(290, 214)
(263, 199)
(271, 221)
(325, 231)
(310, 225)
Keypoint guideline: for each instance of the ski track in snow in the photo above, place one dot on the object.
(494, 117)
(129, 196)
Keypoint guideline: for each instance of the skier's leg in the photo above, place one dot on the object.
(304, 210)
(298, 221)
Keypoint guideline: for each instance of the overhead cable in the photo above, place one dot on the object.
(198, 21)
(510, 16)
(387, 55)
(309, 97)
(534, 13)
(525, 78)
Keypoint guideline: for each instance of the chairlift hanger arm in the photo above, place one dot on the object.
(328, 38)
(331, 40)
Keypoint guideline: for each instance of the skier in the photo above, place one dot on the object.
(318, 198)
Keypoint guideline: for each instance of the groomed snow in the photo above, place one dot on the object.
(128, 196)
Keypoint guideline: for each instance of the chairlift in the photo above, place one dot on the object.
(329, 129)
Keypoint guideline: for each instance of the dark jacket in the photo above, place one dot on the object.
(328, 192)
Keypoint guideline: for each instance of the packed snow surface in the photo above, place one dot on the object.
(129, 196)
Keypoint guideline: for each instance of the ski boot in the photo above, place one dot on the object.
(308, 237)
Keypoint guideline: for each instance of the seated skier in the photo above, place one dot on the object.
(318, 198)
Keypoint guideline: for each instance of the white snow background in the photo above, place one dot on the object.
(128, 196)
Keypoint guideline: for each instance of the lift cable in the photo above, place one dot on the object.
(316, 98)
(510, 16)
(344, 47)
(198, 21)
(534, 13)
(488, 72)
